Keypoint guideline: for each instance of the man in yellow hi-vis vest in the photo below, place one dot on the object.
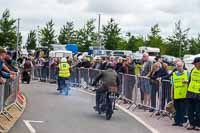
(179, 91)
(193, 96)
(63, 75)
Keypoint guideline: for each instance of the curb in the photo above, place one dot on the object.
(14, 121)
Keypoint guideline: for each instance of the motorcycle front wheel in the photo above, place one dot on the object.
(108, 115)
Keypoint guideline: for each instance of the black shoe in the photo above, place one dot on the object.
(158, 113)
(190, 127)
(175, 124)
(180, 125)
(151, 110)
(95, 108)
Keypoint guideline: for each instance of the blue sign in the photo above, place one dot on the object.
(72, 47)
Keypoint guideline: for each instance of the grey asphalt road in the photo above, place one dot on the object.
(69, 114)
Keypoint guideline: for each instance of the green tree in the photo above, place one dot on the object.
(86, 36)
(154, 39)
(111, 35)
(47, 34)
(133, 42)
(8, 36)
(67, 34)
(194, 45)
(177, 44)
(31, 40)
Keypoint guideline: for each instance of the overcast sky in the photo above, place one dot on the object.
(135, 16)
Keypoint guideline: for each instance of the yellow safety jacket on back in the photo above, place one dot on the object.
(194, 85)
(180, 88)
(64, 71)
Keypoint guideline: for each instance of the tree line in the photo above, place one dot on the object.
(111, 37)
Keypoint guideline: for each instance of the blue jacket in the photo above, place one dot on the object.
(3, 74)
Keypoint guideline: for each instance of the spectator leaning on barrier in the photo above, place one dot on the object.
(125, 66)
(98, 63)
(146, 68)
(9, 62)
(8, 74)
(112, 60)
(131, 66)
(104, 63)
(193, 96)
(179, 90)
(119, 67)
(154, 86)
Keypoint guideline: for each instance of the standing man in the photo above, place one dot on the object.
(63, 75)
(193, 96)
(145, 86)
(179, 90)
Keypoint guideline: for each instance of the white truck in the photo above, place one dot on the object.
(153, 52)
(122, 53)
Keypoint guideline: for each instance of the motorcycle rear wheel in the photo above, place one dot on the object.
(108, 115)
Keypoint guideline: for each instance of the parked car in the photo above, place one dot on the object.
(168, 59)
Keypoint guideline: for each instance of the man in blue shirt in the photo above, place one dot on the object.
(8, 74)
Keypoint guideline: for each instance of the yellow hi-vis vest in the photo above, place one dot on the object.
(180, 88)
(64, 71)
(194, 85)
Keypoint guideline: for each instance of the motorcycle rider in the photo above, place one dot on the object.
(109, 80)
(28, 65)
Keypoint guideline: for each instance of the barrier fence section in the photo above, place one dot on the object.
(138, 90)
(9, 92)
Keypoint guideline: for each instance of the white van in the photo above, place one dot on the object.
(153, 52)
(122, 53)
(60, 53)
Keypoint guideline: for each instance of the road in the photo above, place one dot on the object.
(69, 114)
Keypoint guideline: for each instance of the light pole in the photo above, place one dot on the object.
(38, 28)
(99, 30)
(17, 48)
(180, 49)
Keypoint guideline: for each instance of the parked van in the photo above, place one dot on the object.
(153, 52)
(122, 53)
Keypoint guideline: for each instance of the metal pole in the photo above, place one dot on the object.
(99, 29)
(38, 27)
(17, 49)
(180, 49)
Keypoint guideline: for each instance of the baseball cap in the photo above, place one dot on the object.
(196, 60)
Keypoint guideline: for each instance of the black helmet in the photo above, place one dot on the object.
(110, 65)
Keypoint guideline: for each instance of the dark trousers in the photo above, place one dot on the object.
(166, 93)
(194, 112)
(100, 92)
(179, 105)
(62, 83)
(154, 90)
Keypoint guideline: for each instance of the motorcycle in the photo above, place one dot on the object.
(107, 104)
(26, 76)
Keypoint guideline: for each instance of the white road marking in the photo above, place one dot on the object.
(31, 129)
(153, 130)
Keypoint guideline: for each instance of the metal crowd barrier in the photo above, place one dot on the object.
(9, 96)
(134, 89)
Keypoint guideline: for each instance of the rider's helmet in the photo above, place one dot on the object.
(110, 65)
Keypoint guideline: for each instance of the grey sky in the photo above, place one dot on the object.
(136, 16)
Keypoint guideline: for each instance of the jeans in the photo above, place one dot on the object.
(62, 85)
